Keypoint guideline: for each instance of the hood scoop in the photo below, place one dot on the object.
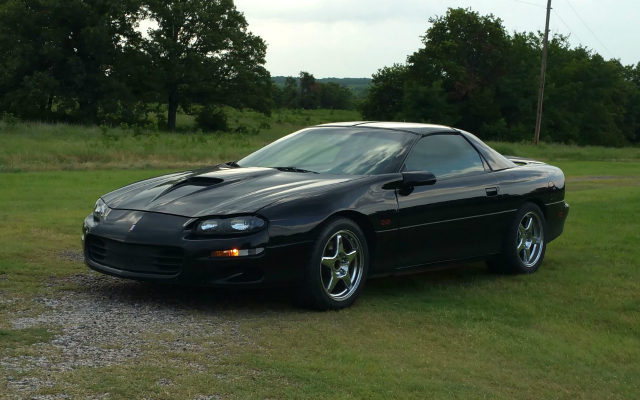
(201, 181)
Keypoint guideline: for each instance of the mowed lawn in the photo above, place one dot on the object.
(570, 331)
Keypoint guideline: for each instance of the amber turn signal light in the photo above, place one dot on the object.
(226, 253)
(236, 252)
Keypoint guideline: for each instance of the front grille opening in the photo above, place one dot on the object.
(150, 259)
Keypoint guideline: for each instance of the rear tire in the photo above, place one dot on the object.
(523, 244)
(335, 274)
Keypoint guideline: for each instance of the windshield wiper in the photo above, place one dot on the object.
(294, 169)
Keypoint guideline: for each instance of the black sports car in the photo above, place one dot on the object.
(327, 207)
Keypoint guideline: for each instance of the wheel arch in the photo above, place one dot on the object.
(538, 203)
(363, 222)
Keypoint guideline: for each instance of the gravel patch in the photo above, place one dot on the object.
(28, 382)
(107, 321)
(72, 255)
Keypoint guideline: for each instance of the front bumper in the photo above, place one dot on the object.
(157, 247)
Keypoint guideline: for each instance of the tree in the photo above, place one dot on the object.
(472, 74)
(59, 57)
(517, 90)
(335, 96)
(632, 117)
(385, 98)
(309, 91)
(464, 55)
(452, 79)
(290, 93)
(200, 50)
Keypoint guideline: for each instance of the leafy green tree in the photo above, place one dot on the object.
(452, 79)
(632, 117)
(585, 98)
(58, 57)
(335, 96)
(309, 91)
(386, 95)
(464, 53)
(472, 74)
(290, 93)
(201, 50)
(516, 91)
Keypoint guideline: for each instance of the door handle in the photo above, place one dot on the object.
(492, 191)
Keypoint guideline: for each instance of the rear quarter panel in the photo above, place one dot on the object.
(538, 183)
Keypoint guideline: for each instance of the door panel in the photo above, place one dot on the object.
(452, 219)
(461, 216)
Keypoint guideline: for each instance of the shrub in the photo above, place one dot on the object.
(211, 118)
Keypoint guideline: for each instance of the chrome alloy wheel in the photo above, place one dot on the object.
(530, 239)
(342, 265)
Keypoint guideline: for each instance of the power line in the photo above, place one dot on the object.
(588, 28)
(567, 26)
(530, 3)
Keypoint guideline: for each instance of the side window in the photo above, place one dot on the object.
(444, 156)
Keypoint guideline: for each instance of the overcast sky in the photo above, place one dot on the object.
(354, 38)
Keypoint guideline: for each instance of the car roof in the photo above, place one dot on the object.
(420, 129)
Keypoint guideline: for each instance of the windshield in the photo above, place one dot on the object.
(342, 151)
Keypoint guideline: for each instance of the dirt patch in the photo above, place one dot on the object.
(579, 183)
(602, 178)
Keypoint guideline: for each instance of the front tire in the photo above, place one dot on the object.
(337, 270)
(524, 243)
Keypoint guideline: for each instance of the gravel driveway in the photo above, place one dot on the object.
(106, 321)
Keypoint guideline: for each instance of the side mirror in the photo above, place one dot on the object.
(418, 178)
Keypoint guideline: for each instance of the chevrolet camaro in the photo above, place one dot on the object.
(325, 208)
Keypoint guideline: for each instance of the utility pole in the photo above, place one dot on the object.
(543, 70)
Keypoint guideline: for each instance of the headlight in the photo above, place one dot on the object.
(100, 210)
(224, 226)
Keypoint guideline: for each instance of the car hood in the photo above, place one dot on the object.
(219, 191)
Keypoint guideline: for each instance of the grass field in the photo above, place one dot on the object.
(570, 331)
(37, 146)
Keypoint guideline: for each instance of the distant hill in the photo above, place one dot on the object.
(358, 86)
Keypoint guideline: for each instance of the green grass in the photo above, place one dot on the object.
(38, 146)
(572, 330)
(557, 152)
(25, 337)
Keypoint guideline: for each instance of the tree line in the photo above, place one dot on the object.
(137, 61)
(122, 61)
(358, 87)
(471, 73)
(114, 61)
(308, 93)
